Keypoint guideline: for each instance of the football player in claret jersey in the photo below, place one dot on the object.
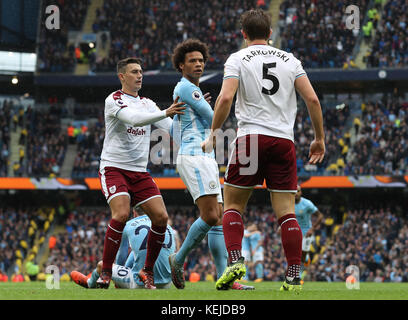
(126, 268)
(265, 80)
(124, 179)
(198, 170)
(304, 210)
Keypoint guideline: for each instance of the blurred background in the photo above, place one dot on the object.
(57, 66)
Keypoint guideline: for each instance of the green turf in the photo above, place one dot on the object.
(206, 291)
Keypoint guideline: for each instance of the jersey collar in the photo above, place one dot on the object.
(130, 95)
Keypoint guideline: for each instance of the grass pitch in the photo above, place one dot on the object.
(206, 291)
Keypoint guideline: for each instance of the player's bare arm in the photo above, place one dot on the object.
(306, 91)
(316, 224)
(221, 110)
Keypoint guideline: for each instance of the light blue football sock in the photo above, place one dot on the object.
(259, 271)
(218, 250)
(195, 235)
(92, 279)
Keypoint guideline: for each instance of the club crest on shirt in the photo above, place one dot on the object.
(213, 185)
(112, 189)
(196, 95)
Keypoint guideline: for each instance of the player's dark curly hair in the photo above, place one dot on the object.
(189, 45)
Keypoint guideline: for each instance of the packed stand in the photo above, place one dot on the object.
(160, 25)
(5, 126)
(315, 31)
(54, 54)
(80, 245)
(90, 142)
(47, 143)
(390, 43)
(334, 124)
(356, 237)
(375, 239)
(21, 232)
(381, 145)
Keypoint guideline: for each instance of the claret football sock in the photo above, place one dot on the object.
(111, 245)
(233, 227)
(291, 236)
(155, 241)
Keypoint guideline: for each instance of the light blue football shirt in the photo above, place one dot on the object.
(135, 233)
(304, 210)
(246, 246)
(192, 127)
(254, 240)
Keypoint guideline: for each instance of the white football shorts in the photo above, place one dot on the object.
(306, 243)
(125, 278)
(247, 255)
(200, 174)
(258, 256)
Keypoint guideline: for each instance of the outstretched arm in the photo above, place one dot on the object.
(221, 110)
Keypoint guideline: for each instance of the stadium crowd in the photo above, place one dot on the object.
(54, 52)
(162, 24)
(18, 231)
(5, 126)
(315, 32)
(390, 41)
(46, 143)
(381, 145)
(378, 249)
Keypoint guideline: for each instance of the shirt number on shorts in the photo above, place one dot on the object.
(266, 75)
(143, 246)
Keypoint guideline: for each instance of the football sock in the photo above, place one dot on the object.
(195, 235)
(92, 279)
(259, 271)
(216, 244)
(155, 240)
(111, 245)
(233, 227)
(291, 236)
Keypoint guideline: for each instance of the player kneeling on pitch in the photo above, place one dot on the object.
(126, 269)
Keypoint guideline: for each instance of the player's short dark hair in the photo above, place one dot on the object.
(121, 65)
(256, 24)
(189, 45)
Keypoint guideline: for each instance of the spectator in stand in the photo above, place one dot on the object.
(382, 142)
(390, 44)
(54, 54)
(315, 31)
(161, 24)
(46, 146)
(5, 123)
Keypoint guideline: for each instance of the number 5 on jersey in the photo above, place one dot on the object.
(266, 75)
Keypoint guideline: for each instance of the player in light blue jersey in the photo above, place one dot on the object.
(304, 210)
(198, 170)
(127, 266)
(257, 250)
